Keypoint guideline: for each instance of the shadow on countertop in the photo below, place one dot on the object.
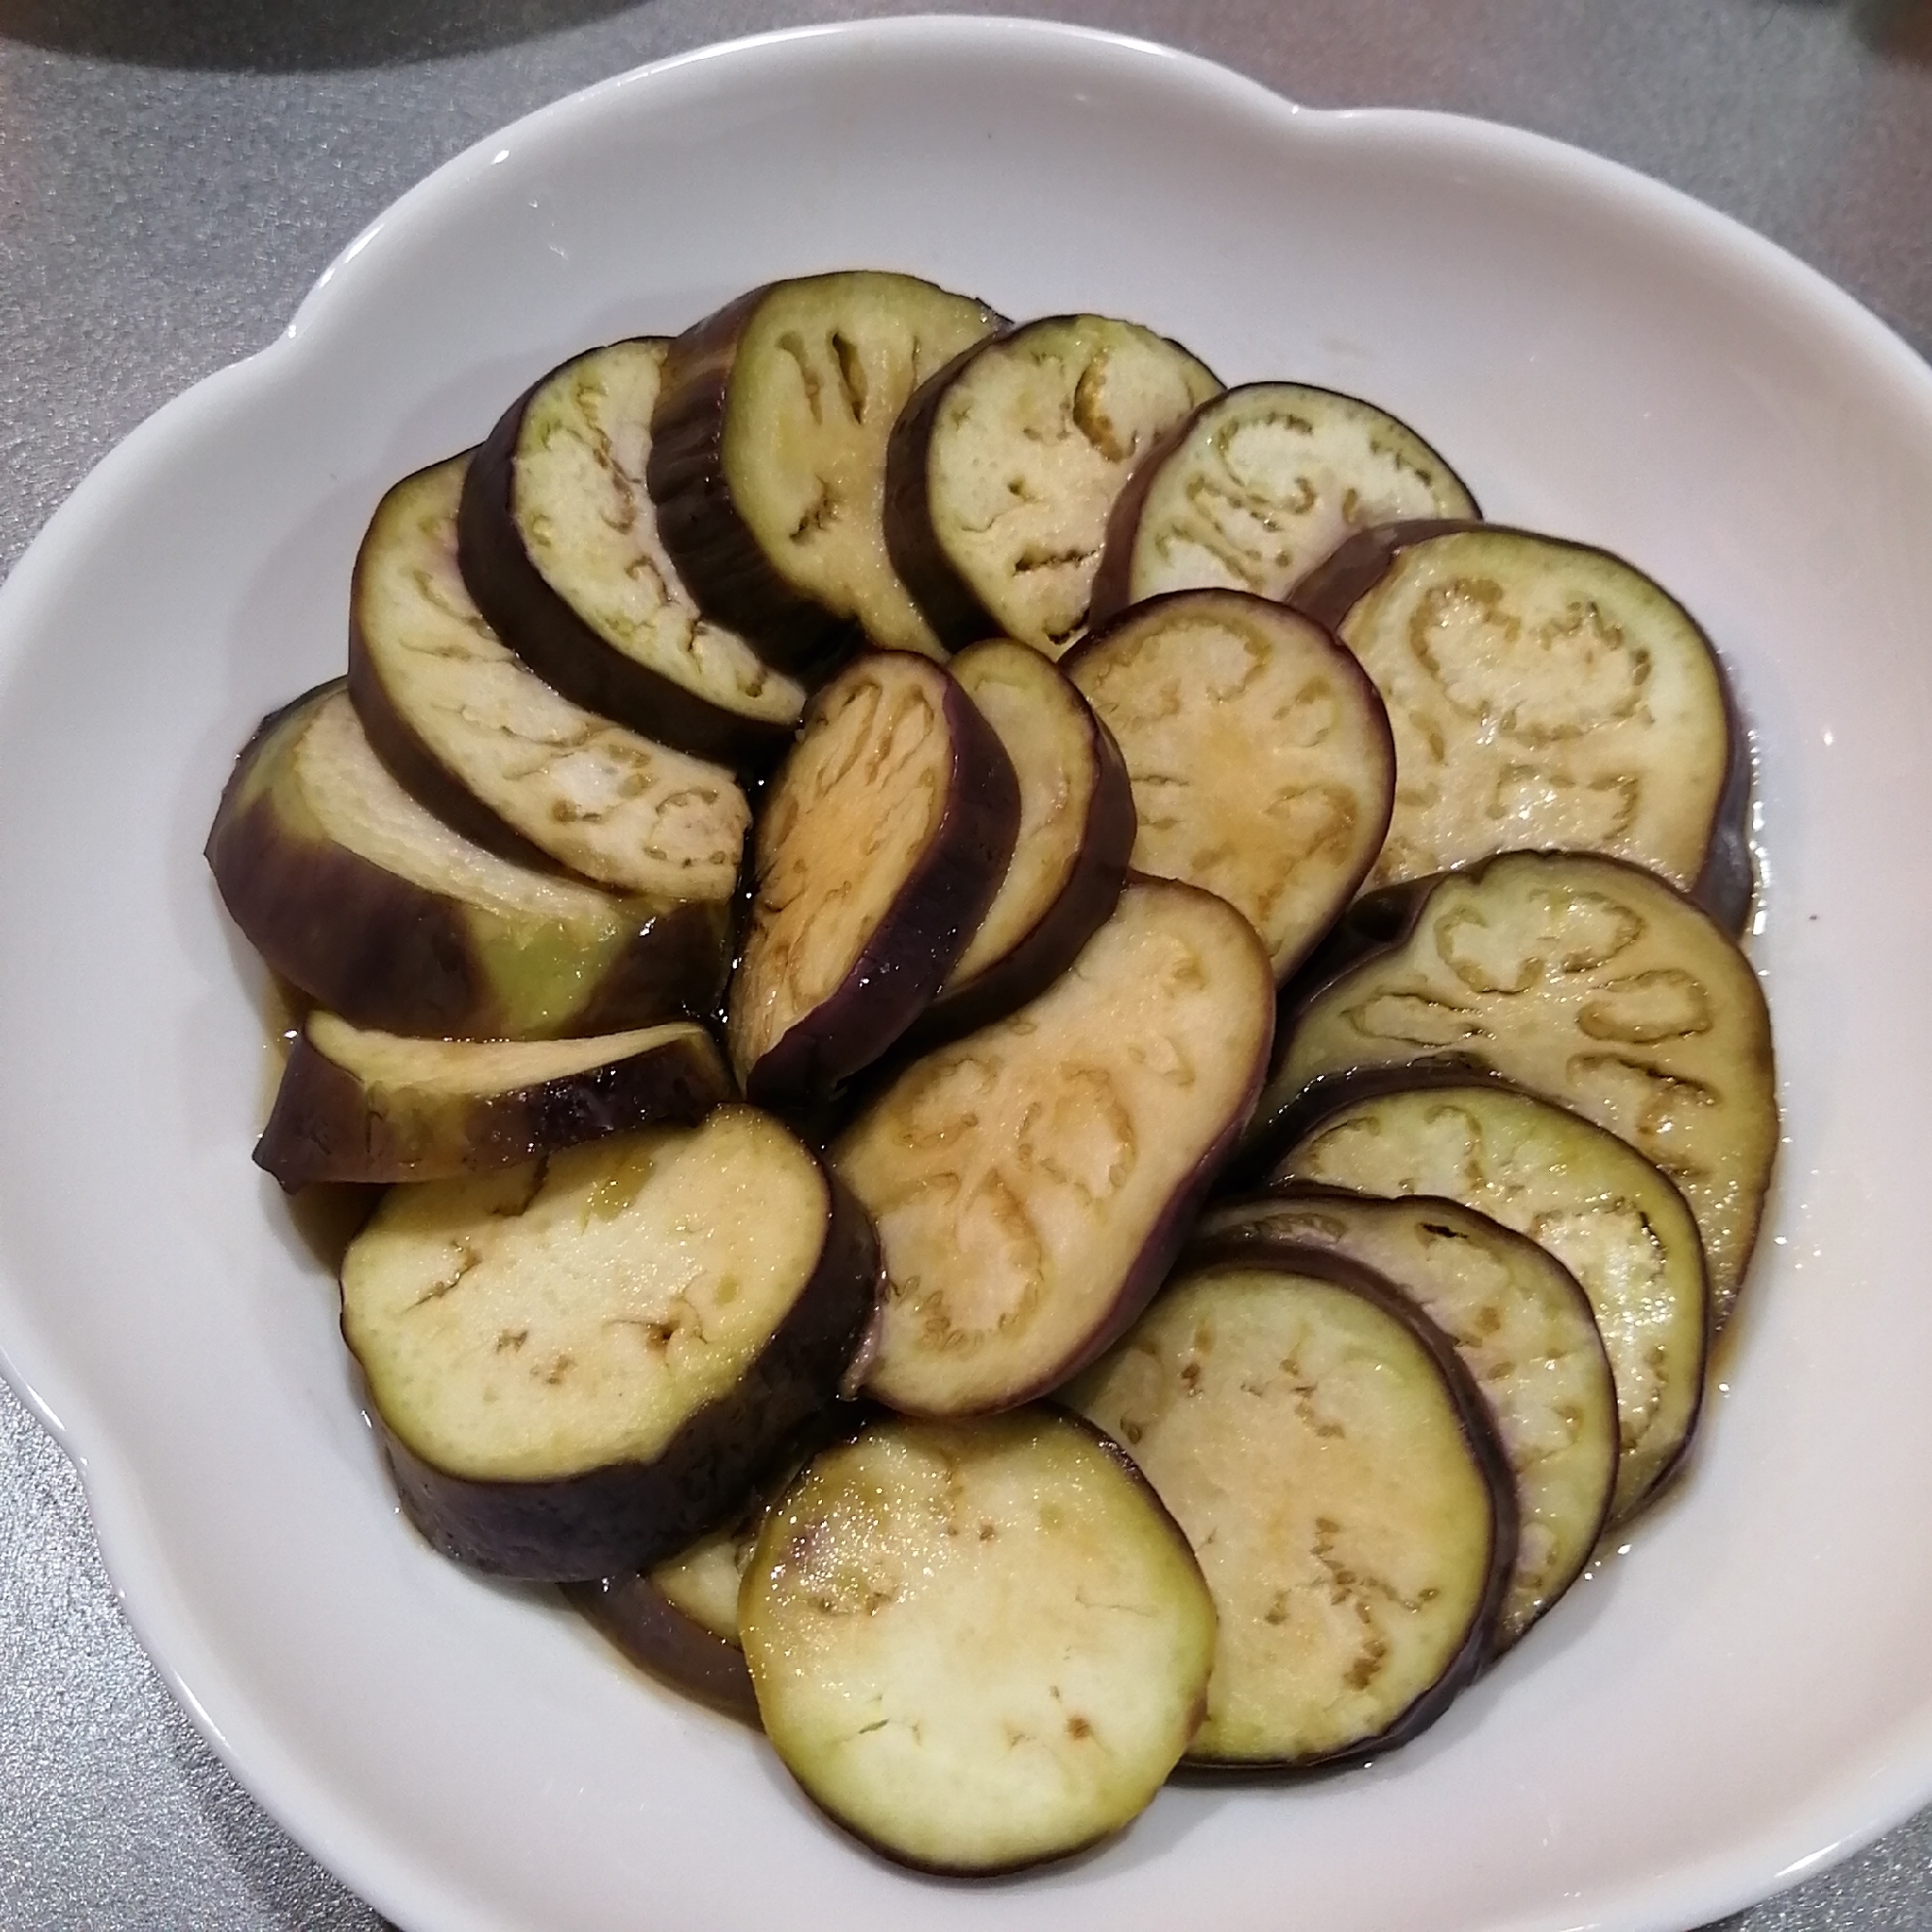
(277, 36)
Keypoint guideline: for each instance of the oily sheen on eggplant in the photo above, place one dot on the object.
(581, 1365)
(1259, 486)
(1543, 694)
(1260, 755)
(1524, 1330)
(1580, 979)
(768, 455)
(977, 1645)
(1330, 1461)
(373, 907)
(883, 839)
(558, 540)
(488, 747)
(1032, 1183)
(357, 1106)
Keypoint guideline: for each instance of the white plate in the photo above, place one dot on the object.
(1744, 1693)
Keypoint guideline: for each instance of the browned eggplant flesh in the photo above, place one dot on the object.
(977, 1645)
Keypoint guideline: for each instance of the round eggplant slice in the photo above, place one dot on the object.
(1582, 979)
(1076, 829)
(365, 1106)
(664, 1639)
(1543, 694)
(1523, 1329)
(558, 540)
(1033, 1181)
(1260, 485)
(1330, 1461)
(881, 842)
(1260, 756)
(1610, 1217)
(1003, 468)
(489, 748)
(580, 1366)
(376, 909)
(976, 1646)
(768, 455)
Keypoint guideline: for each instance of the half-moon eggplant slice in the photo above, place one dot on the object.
(376, 909)
(1543, 694)
(1076, 829)
(580, 1366)
(558, 540)
(1003, 468)
(768, 455)
(1033, 1181)
(489, 748)
(1330, 1461)
(978, 1646)
(1260, 756)
(357, 1106)
(1261, 484)
(1581, 978)
(1608, 1214)
(881, 842)
(1526, 1334)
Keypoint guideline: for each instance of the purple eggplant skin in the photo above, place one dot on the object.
(637, 1617)
(326, 1125)
(630, 1516)
(913, 946)
(519, 605)
(1479, 1646)
(1726, 884)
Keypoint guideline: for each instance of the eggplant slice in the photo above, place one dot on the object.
(882, 840)
(1607, 1213)
(1543, 694)
(1076, 831)
(373, 907)
(768, 455)
(1033, 1181)
(580, 1366)
(1003, 468)
(1525, 1331)
(558, 540)
(1333, 1465)
(978, 1646)
(356, 1105)
(489, 748)
(1582, 979)
(1260, 756)
(1261, 484)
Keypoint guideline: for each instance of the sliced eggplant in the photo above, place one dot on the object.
(1330, 1461)
(1543, 694)
(1260, 485)
(978, 1646)
(489, 748)
(1003, 468)
(1525, 1331)
(881, 842)
(376, 909)
(1033, 1181)
(366, 1106)
(1076, 829)
(1260, 756)
(1582, 979)
(558, 540)
(1608, 1214)
(768, 455)
(664, 1639)
(580, 1366)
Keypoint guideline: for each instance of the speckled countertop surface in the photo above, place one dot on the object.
(172, 177)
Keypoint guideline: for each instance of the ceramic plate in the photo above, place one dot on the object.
(1742, 1691)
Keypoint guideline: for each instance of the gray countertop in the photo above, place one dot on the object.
(173, 176)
